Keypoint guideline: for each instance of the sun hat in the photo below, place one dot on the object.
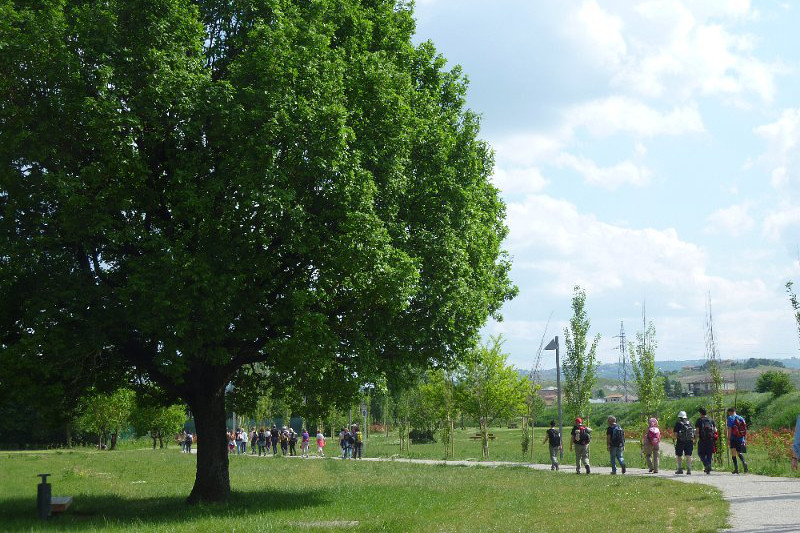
(682, 414)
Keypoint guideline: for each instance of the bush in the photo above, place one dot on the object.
(421, 436)
(781, 384)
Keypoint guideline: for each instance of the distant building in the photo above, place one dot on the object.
(620, 398)
(549, 395)
(706, 386)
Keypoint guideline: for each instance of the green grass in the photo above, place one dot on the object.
(144, 490)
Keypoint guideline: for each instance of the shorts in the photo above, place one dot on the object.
(684, 448)
(739, 446)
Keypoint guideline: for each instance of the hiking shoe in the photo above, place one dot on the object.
(587, 470)
(649, 470)
(735, 472)
(688, 472)
(623, 469)
(614, 473)
(745, 467)
(679, 472)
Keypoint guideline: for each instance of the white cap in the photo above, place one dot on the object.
(682, 414)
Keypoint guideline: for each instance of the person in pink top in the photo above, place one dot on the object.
(320, 443)
(650, 442)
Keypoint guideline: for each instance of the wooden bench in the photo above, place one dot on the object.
(478, 436)
(59, 504)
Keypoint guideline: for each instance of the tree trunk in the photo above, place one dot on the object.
(114, 440)
(68, 432)
(485, 439)
(153, 436)
(212, 480)
(160, 440)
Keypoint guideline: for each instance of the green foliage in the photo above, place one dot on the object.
(649, 384)
(188, 187)
(579, 365)
(774, 381)
(489, 389)
(795, 304)
(158, 422)
(104, 414)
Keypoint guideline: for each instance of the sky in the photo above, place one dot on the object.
(646, 151)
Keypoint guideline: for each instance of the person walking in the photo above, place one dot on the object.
(292, 442)
(262, 442)
(304, 443)
(358, 442)
(581, 436)
(348, 444)
(320, 443)
(737, 435)
(706, 439)
(615, 442)
(274, 437)
(684, 443)
(650, 445)
(253, 440)
(284, 436)
(187, 442)
(553, 438)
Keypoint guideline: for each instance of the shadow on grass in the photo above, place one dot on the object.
(92, 510)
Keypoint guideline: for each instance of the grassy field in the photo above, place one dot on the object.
(144, 491)
(506, 447)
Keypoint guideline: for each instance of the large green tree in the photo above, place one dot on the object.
(191, 186)
(580, 362)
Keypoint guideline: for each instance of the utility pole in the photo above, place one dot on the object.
(623, 359)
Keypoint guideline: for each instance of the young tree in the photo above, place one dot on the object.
(579, 366)
(106, 414)
(158, 422)
(191, 186)
(490, 389)
(795, 304)
(649, 384)
(774, 381)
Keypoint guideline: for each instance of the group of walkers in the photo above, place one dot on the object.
(703, 434)
(264, 441)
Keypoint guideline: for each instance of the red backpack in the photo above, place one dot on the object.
(739, 428)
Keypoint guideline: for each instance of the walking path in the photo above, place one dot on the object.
(759, 504)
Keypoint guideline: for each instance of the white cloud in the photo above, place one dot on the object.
(677, 49)
(607, 177)
(783, 147)
(734, 220)
(618, 114)
(525, 180)
(578, 248)
(776, 224)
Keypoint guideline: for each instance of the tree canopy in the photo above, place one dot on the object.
(580, 362)
(190, 187)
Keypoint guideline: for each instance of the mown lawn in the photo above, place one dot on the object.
(144, 490)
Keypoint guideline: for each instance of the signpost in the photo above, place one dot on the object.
(553, 345)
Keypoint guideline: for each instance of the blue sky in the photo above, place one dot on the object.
(647, 151)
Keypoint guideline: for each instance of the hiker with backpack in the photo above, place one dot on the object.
(737, 434)
(553, 437)
(615, 443)
(274, 438)
(358, 442)
(284, 438)
(581, 436)
(650, 445)
(292, 442)
(262, 441)
(706, 439)
(684, 442)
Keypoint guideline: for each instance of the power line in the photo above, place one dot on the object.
(623, 359)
